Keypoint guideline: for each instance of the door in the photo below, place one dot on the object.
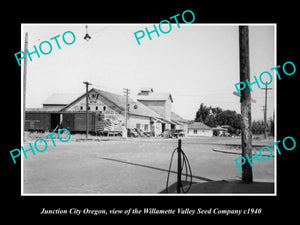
(54, 120)
(68, 121)
(163, 127)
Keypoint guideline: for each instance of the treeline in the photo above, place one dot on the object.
(259, 128)
(215, 116)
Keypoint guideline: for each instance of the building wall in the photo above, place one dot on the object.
(113, 116)
(135, 121)
(53, 107)
(96, 103)
(156, 106)
(199, 133)
(168, 109)
(183, 127)
(163, 108)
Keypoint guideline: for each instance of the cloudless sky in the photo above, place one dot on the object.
(195, 63)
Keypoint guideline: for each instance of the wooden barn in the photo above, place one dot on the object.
(106, 114)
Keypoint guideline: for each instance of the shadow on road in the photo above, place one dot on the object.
(210, 186)
(155, 168)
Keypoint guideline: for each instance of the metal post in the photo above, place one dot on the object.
(179, 167)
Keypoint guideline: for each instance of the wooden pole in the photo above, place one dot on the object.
(246, 133)
(265, 114)
(86, 107)
(126, 92)
(265, 111)
(24, 84)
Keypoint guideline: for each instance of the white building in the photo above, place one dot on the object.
(198, 129)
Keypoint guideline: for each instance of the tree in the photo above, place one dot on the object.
(231, 118)
(216, 110)
(258, 127)
(272, 126)
(202, 113)
(215, 116)
(211, 121)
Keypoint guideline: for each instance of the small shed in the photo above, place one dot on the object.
(198, 129)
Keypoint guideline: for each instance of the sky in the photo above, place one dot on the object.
(196, 63)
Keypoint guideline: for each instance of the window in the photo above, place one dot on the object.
(138, 126)
(195, 131)
(104, 108)
(146, 127)
(89, 108)
(96, 107)
(81, 108)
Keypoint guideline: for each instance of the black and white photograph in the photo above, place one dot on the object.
(153, 115)
(185, 113)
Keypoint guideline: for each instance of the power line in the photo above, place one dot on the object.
(220, 97)
(215, 96)
(102, 29)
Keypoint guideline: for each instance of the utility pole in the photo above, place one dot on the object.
(86, 107)
(24, 84)
(179, 167)
(126, 92)
(263, 108)
(265, 111)
(246, 136)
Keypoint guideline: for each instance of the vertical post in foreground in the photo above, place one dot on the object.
(24, 84)
(179, 167)
(246, 133)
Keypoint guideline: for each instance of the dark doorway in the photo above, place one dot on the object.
(54, 120)
(163, 127)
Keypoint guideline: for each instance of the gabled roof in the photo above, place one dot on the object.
(176, 118)
(199, 125)
(60, 99)
(135, 108)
